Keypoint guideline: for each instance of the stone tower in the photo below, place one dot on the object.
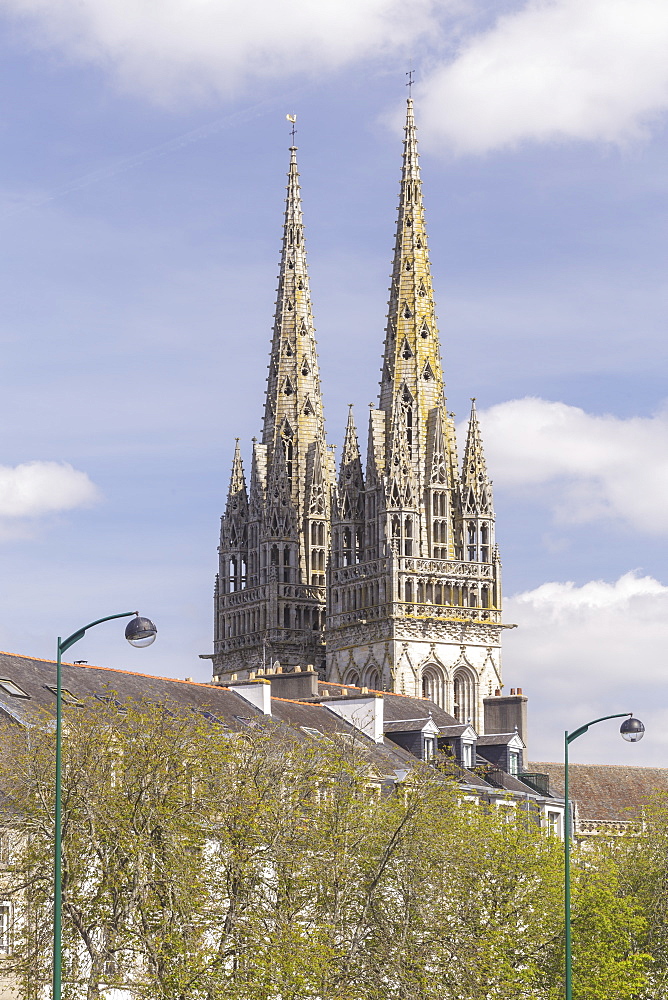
(275, 534)
(414, 590)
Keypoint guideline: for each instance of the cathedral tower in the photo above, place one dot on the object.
(275, 535)
(414, 593)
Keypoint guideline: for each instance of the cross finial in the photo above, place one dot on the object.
(410, 75)
(293, 130)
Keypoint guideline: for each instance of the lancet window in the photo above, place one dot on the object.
(464, 697)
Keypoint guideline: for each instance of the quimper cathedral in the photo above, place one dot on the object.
(385, 575)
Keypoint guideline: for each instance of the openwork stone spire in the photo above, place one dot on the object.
(414, 599)
(237, 497)
(270, 594)
(351, 477)
(293, 409)
(475, 485)
(411, 362)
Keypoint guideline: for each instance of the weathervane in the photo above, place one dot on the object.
(410, 82)
(293, 131)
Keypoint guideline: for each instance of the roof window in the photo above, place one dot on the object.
(109, 700)
(9, 687)
(66, 696)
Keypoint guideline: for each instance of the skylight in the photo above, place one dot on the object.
(9, 687)
(109, 700)
(66, 696)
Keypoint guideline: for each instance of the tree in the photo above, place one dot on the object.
(264, 865)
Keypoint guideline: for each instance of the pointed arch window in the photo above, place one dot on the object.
(422, 291)
(308, 407)
(407, 312)
(433, 684)
(484, 542)
(471, 537)
(288, 387)
(408, 536)
(464, 697)
(372, 680)
(305, 367)
(424, 330)
(406, 352)
(427, 373)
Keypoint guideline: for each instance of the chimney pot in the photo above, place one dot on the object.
(512, 690)
(497, 693)
(297, 669)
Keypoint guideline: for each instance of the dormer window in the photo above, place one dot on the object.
(430, 747)
(513, 763)
(467, 755)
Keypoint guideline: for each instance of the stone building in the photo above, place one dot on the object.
(275, 532)
(387, 575)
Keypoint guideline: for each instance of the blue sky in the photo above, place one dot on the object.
(141, 197)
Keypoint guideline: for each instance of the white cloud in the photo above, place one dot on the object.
(604, 466)
(556, 69)
(172, 47)
(584, 652)
(34, 489)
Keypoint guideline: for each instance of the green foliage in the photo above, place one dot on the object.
(200, 863)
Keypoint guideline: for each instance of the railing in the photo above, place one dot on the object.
(359, 571)
(268, 637)
(399, 609)
(253, 595)
(457, 569)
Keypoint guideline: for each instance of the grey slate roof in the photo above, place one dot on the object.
(497, 739)
(606, 792)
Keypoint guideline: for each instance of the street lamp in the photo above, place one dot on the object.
(632, 730)
(139, 632)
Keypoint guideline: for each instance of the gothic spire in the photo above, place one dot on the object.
(351, 478)
(411, 344)
(293, 404)
(475, 484)
(237, 497)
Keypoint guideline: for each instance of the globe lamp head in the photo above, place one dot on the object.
(632, 730)
(140, 632)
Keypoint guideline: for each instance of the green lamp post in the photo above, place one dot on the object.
(632, 730)
(138, 632)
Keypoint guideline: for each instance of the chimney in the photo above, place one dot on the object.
(365, 714)
(505, 712)
(299, 685)
(256, 693)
